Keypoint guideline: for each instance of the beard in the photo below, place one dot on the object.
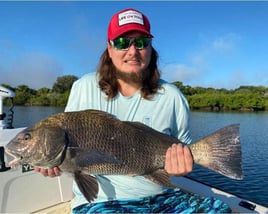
(133, 77)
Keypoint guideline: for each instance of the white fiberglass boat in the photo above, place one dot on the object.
(25, 191)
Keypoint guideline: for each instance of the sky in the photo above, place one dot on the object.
(206, 44)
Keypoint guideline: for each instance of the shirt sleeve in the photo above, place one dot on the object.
(180, 114)
(183, 120)
(83, 93)
(74, 97)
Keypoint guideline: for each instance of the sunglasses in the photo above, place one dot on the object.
(123, 43)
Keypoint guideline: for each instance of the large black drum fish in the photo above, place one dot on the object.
(94, 142)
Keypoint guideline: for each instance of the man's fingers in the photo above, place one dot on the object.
(178, 160)
(188, 159)
(48, 172)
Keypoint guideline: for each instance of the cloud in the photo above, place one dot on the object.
(219, 48)
(224, 43)
(35, 70)
(240, 77)
(180, 72)
(199, 68)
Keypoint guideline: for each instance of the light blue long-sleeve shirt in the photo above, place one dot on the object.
(167, 112)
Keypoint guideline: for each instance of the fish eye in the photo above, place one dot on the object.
(27, 136)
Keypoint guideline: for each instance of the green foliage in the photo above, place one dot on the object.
(64, 84)
(8, 86)
(57, 96)
(24, 95)
(244, 98)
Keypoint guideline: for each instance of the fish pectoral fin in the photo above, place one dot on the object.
(160, 177)
(87, 184)
(85, 157)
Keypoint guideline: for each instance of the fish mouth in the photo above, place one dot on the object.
(16, 159)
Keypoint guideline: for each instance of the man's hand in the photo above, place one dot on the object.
(55, 171)
(179, 160)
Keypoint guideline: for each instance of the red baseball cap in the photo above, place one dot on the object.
(128, 20)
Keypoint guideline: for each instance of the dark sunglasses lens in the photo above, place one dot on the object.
(121, 43)
(142, 42)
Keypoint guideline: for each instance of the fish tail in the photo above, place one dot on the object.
(221, 152)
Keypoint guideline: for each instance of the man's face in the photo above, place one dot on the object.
(132, 61)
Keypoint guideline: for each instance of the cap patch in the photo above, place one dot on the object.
(130, 16)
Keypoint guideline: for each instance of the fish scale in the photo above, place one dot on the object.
(114, 141)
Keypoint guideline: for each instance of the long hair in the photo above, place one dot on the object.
(108, 82)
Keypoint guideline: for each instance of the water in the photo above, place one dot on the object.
(253, 136)
(27, 116)
(254, 142)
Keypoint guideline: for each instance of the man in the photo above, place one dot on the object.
(128, 85)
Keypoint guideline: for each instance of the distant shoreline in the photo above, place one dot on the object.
(242, 99)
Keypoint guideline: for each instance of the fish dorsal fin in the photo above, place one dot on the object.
(87, 184)
(160, 177)
(99, 114)
(140, 126)
(167, 139)
(148, 130)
